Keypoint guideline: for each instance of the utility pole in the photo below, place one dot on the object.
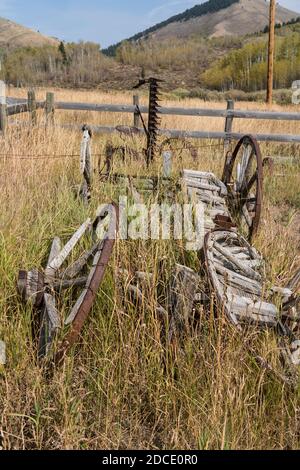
(271, 52)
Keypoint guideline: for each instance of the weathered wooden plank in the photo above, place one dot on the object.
(203, 112)
(198, 184)
(197, 135)
(228, 122)
(138, 295)
(55, 250)
(210, 199)
(244, 307)
(218, 287)
(3, 108)
(20, 108)
(183, 288)
(32, 107)
(240, 265)
(75, 268)
(61, 284)
(58, 261)
(49, 108)
(102, 108)
(136, 115)
(52, 312)
(238, 280)
(284, 138)
(167, 164)
(2, 353)
(295, 352)
(210, 177)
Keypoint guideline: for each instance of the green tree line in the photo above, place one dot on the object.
(193, 53)
(73, 64)
(246, 68)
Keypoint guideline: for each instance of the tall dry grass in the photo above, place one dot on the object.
(120, 388)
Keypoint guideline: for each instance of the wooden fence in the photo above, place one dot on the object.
(14, 106)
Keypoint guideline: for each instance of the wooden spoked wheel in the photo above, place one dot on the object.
(83, 273)
(243, 177)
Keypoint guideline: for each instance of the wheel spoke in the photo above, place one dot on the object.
(243, 167)
(243, 178)
(247, 216)
(247, 189)
(247, 171)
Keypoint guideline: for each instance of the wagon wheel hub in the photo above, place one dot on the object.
(31, 286)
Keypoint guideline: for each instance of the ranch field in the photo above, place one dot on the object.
(114, 390)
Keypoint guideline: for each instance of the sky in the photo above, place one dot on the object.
(102, 21)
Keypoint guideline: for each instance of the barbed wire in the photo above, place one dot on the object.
(192, 147)
(77, 155)
(43, 157)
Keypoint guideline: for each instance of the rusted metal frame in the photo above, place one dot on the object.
(111, 150)
(153, 117)
(153, 120)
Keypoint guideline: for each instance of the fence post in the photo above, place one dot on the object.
(109, 153)
(2, 354)
(167, 164)
(136, 116)
(32, 107)
(49, 108)
(228, 123)
(86, 164)
(3, 108)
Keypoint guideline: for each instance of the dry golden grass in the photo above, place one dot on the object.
(115, 390)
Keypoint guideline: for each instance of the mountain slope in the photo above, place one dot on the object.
(242, 17)
(15, 35)
(215, 18)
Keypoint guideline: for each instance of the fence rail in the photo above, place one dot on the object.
(174, 133)
(198, 112)
(14, 106)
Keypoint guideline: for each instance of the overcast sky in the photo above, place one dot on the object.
(102, 21)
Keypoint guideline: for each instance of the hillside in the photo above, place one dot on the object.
(214, 18)
(217, 57)
(15, 35)
(246, 68)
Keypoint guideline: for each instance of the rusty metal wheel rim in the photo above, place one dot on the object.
(238, 191)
